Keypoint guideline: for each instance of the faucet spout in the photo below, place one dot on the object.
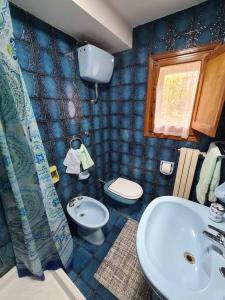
(217, 240)
(212, 237)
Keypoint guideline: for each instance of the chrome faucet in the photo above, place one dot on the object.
(218, 240)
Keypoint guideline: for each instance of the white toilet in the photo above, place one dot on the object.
(90, 215)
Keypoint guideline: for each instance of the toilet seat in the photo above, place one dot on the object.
(126, 188)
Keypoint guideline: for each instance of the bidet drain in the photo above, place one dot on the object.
(82, 215)
(189, 257)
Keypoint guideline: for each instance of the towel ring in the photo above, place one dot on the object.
(75, 138)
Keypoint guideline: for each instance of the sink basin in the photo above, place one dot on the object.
(177, 259)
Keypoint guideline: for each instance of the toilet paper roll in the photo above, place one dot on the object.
(166, 167)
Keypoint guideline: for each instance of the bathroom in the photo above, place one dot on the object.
(111, 124)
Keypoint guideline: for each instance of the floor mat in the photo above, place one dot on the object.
(120, 271)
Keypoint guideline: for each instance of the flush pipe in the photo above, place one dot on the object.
(93, 101)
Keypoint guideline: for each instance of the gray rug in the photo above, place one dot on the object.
(120, 271)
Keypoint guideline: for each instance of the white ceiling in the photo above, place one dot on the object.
(105, 23)
(138, 12)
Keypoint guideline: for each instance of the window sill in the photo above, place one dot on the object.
(191, 138)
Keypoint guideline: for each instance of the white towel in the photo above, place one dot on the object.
(72, 162)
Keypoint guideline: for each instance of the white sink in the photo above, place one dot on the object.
(178, 260)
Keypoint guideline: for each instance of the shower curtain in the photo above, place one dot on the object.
(36, 222)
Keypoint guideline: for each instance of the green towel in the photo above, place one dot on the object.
(209, 176)
(85, 158)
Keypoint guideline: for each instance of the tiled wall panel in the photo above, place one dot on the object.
(60, 100)
(133, 155)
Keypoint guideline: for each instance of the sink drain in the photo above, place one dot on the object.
(189, 257)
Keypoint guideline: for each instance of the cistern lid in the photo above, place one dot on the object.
(126, 188)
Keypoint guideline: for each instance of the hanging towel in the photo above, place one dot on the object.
(85, 158)
(72, 162)
(209, 175)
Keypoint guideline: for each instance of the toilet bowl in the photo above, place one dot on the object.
(123, 190)
(90, 216)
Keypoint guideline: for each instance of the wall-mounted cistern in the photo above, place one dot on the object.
(95, 65)
(217, 240)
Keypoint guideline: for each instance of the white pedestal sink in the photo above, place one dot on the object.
(178, 260)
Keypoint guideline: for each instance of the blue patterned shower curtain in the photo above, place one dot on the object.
(38, 228)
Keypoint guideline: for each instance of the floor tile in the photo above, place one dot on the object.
(72, 275)
(90, 247)
(105, 294)
(103, 250)
(113, 234)
(88, 257)
(113, 216)
(121, 221)
(81, 258)
(106, 229)
(82, 286)
(88, 273)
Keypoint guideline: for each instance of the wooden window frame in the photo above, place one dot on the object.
(167, 59)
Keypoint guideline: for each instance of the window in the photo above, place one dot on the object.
(173, 92)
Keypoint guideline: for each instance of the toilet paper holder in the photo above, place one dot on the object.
(166, 167)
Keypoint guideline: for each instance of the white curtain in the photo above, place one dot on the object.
(175, 96)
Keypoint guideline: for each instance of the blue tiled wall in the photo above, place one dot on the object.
(133, 155)
(60, 100)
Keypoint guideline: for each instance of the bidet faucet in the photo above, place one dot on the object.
(217, 240)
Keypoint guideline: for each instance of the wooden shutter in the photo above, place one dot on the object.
(211, 94)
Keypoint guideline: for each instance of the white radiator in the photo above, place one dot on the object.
(185, 172)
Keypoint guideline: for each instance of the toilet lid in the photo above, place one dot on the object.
(126, 188)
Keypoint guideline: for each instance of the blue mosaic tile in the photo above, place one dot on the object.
(121, 221)
(90, 247)
(113, 234)
(56, 130)
(106, 229)
(140, 74)
(72, 275)
(25, 56)
(62, 43)
(68, 88)
(207, 12)
(125, 147)
(43, 129)
(19, 23)
(72, 127)
(50, 87)
(42, 32)
(105, 294)
(82, 286)
(31, 82)
(204, 37)
(103, 250)
(38, 110)
(113, 216)
(126, 76)
(127, 92)
(54, 111)
(88, 273)
(127, 58)
(126, 135)
(161, 28)
(59, 149)
(81, 258)
(140, 92)
(46, 63)
(159, 48)
(66, 67)
(142, 55)
(183, 20)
